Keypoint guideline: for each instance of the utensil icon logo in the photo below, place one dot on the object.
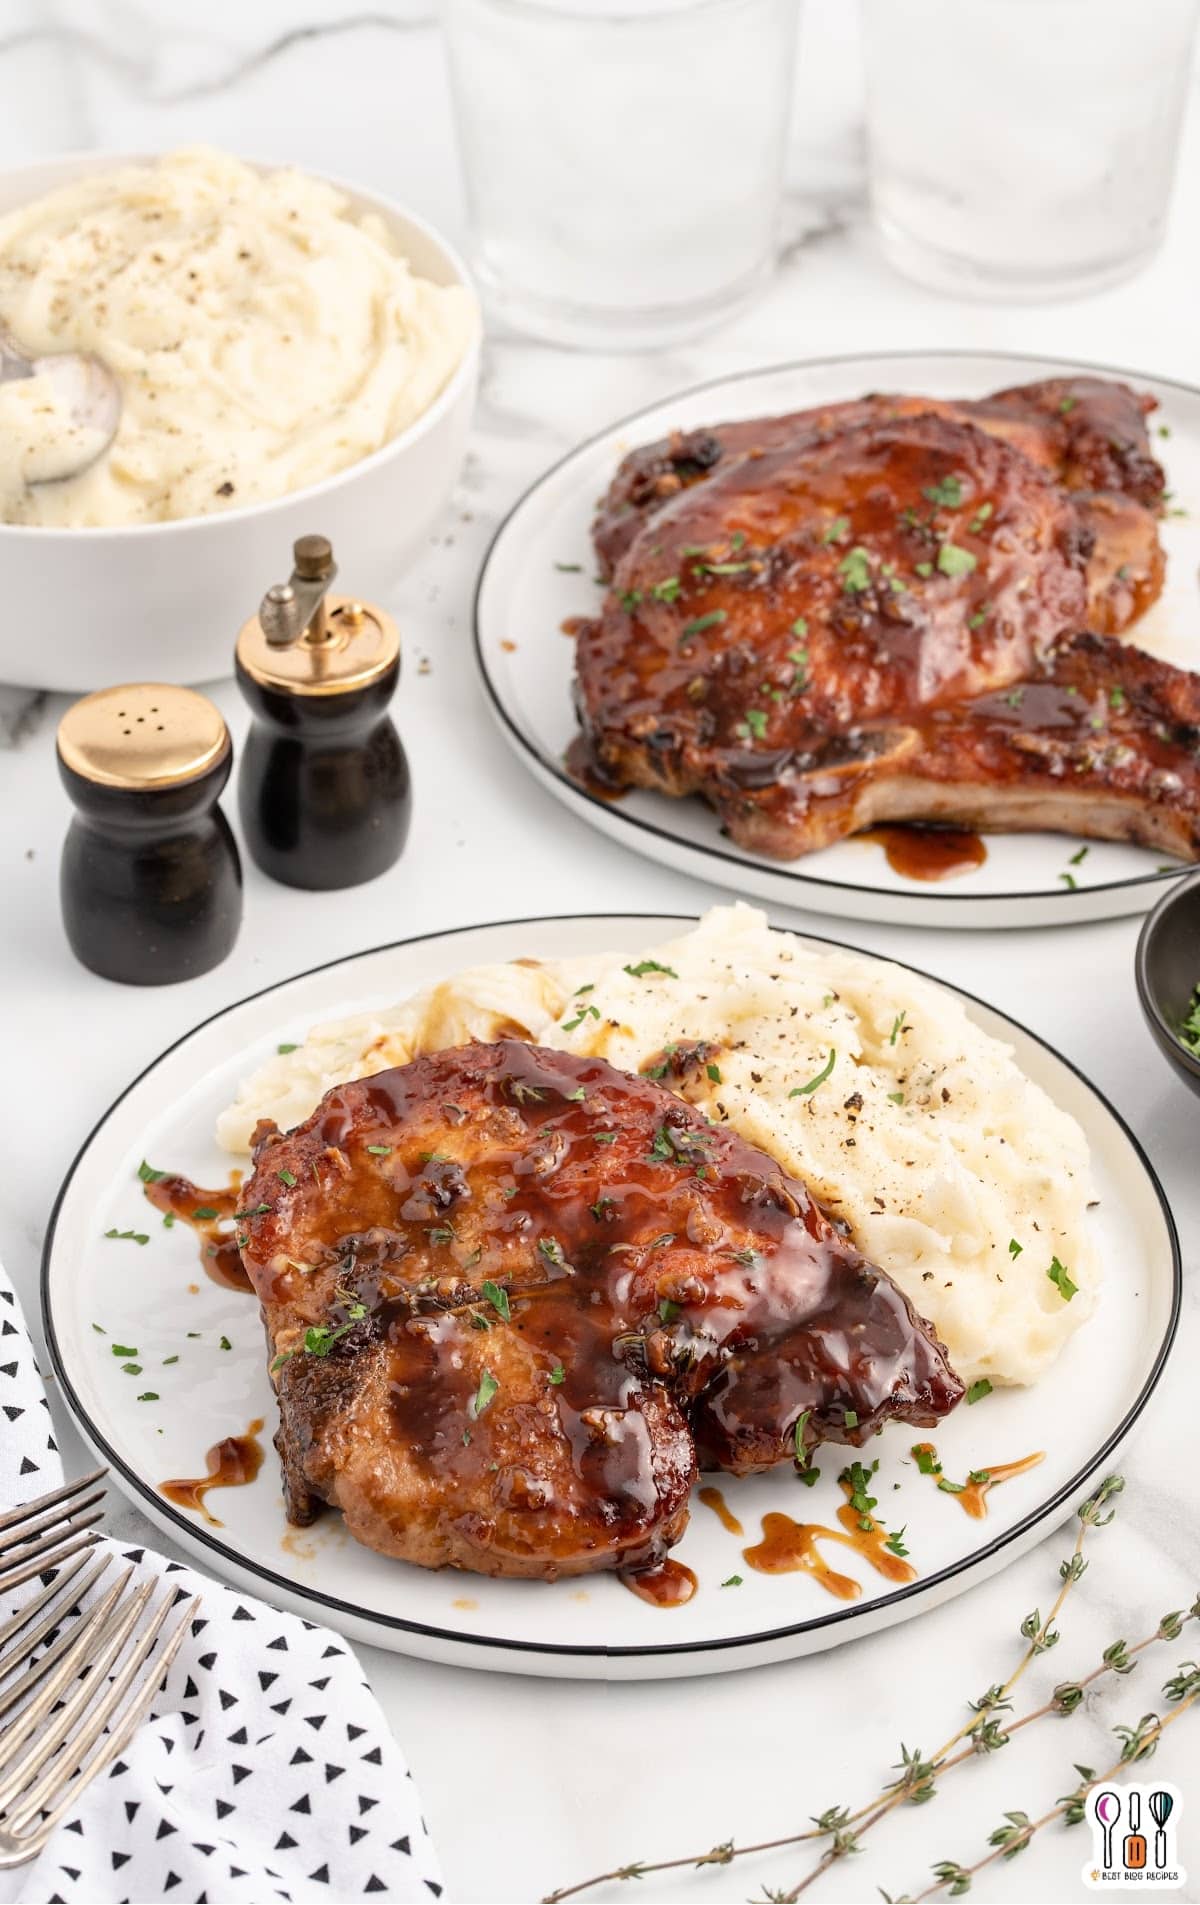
(1124, 1856)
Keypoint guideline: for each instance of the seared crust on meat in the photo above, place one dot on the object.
(808, 615)
(507, 1289)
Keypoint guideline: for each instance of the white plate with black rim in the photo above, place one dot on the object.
(539, 572)
(198, 1373)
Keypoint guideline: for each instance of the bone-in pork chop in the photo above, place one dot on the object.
(499, 1284)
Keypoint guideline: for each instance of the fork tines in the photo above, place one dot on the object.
(42, 1534)
(78, 1703)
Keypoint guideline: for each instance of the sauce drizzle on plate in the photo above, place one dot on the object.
(793, 1547)
(205, 1212)
(670, 1584)
(231, 1463)
(928, 853)
(972, 1494)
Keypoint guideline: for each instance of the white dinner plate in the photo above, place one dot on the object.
(155, 1301)
(540, 571)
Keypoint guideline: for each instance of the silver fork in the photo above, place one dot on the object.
(55, 1743)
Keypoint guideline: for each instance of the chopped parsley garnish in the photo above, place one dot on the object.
(667, 1311)
(952, 560)
(497, 1296)
(99, 1329)
(1116, 698)
(168, 1360)
(809, 1476)
(133, 1236)
(947, 494)
(713, 1073)
(697, 627)
(286, 1177)
(259, 1210)
(800, 628)
(804, 1091)
(319, 1339)
(483, 1395)
(122, 1349)
(662, 1151)
(978, 619)
(284, 1049)
(1189, 1027)
(649, 965)
(168, 1220)
(601, 1208)
(856, 1480)
(850, 1418)
(149, 1175)
(131, 1369)
(552, 1250)
(558, 1374)
(855, 571)
(479, 1321)
(582, 1012)
(735, 1580)
(798, 1442)
(630, 600)
(895, 1543)
(1014, 1248)
(605, 1137)
(1059, 1276)
(1069, 880)
(380, 1150)
(924, 570)
(569, 568)
(979, 1390)
(223, 1342)
(836, 529)
(897, 1027)
(925, 1459)
(442, 1234)
(667, 590)
(755, 724)
(980, 517)
(203, 1212)
(1066, 405)
(148, 1395)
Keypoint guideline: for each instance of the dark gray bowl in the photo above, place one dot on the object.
(1167, 968)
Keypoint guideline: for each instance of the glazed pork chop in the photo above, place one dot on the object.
(809, 626)
(507, 1289)
(1088, 434)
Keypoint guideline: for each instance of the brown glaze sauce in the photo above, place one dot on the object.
(670, 1584)
(713, 1498)
(792, 1547)
(584, 771)
(972, 1494)
(231, 1463)
(219, 1252)
(928, 853)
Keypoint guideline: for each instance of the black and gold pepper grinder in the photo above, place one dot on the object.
(150, 879)
(323, 789)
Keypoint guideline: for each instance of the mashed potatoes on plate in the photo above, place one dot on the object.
(954, 1172)
(264, 336)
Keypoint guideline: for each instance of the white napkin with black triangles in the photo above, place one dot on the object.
(266, 1769)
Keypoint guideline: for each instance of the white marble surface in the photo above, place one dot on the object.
(530, 1783)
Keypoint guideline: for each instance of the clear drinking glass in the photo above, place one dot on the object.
(623, 159)
(1024, 148)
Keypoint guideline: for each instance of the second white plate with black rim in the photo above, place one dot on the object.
(539, 572)
(197, 1372)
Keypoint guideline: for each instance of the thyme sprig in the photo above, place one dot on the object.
(918, 1773)
(1137, 1743)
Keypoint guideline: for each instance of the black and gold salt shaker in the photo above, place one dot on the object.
(323, 788)
(150, 879)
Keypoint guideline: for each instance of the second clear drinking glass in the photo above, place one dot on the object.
(1024, 148)
(623, 158)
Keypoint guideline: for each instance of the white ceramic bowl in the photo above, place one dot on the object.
(165, 601)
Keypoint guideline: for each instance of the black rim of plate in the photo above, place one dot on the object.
(585, 802)
(198, 1533)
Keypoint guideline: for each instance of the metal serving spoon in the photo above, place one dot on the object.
(90, 399)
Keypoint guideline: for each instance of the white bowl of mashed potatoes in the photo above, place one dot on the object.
(295, 356)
